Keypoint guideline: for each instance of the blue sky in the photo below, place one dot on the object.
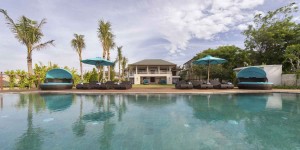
(174, 30)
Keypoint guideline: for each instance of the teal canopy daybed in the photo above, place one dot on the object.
(253, 78)
(57, 79)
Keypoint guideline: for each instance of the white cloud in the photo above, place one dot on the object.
(242, 27)
(195, 19)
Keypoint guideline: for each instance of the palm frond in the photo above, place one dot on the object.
(119, 55)
(43, 21)
(10, 22)
(43, 45)
(78, 43)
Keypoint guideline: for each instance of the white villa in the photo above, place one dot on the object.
(153, 71)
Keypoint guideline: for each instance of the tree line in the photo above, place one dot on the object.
(274, 38)
(29, 33)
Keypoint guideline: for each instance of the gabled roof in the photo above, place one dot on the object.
(153, 62)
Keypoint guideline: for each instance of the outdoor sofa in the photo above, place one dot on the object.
(253, 78)
(57, 79)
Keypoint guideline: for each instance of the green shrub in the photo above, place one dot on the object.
(12, 78)
(22, 78)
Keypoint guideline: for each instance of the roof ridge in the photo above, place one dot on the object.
(153, 62)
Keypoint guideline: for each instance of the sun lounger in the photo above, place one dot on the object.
(218, 85)
(82, 86)
(105, 86)
(123, 85)
(86, 86)
(201, 85)
(183, 85)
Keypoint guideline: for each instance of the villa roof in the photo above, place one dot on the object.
(154, 62)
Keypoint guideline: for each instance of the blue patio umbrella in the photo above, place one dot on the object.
(98, 61)
(208, 60)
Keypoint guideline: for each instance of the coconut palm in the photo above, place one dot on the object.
(107, 39)
(29, 33)
(78, 44)
(124, 63)
(119, 59)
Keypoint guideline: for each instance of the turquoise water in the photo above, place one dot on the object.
(153, 121)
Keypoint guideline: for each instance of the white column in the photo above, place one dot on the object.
(136, 70)
(169, 79)
(147, 70)
(137, 79)
(158, 69)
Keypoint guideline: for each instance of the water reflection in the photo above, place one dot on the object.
(152, 100)
(1, 102)
(79, 127)
(274, 102)
(252, 103)
(268, 120)
(58, 102)
(32, 137)
(115, 121)
(214, 107)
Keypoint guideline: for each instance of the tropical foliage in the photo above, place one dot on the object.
(23, 80)
(76, 77)
(40, 72)
(29, 33)
(124, 64)
(119, 59)
(271, 34)
(235, 56)
(292, 56)
(12, 78)
(78, 44)
(107, 40)
(91, 76)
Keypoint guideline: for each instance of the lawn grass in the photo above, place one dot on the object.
(153, 86)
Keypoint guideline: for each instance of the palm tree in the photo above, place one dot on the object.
(124, 63)
(119, 59)
(78, 44)
(107, 39)
(29, 33)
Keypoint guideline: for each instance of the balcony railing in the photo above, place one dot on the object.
(151, 72)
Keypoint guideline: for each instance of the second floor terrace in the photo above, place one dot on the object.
(152, 66)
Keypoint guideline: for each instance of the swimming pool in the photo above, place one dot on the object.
(149, 121)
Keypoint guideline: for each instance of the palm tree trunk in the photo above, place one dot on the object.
(30, 70)
(108, 67)
(81, 75)
(119, 69)
(103, 70)
(29, 64)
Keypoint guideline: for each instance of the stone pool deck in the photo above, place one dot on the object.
(159, 90)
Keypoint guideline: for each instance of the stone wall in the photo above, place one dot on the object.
(290, 80)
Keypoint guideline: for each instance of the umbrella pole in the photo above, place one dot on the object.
(208, 72)
(98, 67)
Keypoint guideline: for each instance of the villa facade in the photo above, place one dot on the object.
(153, 71)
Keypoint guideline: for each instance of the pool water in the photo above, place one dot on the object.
(149, 121)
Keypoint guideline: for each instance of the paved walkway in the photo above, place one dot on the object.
(161, 90)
